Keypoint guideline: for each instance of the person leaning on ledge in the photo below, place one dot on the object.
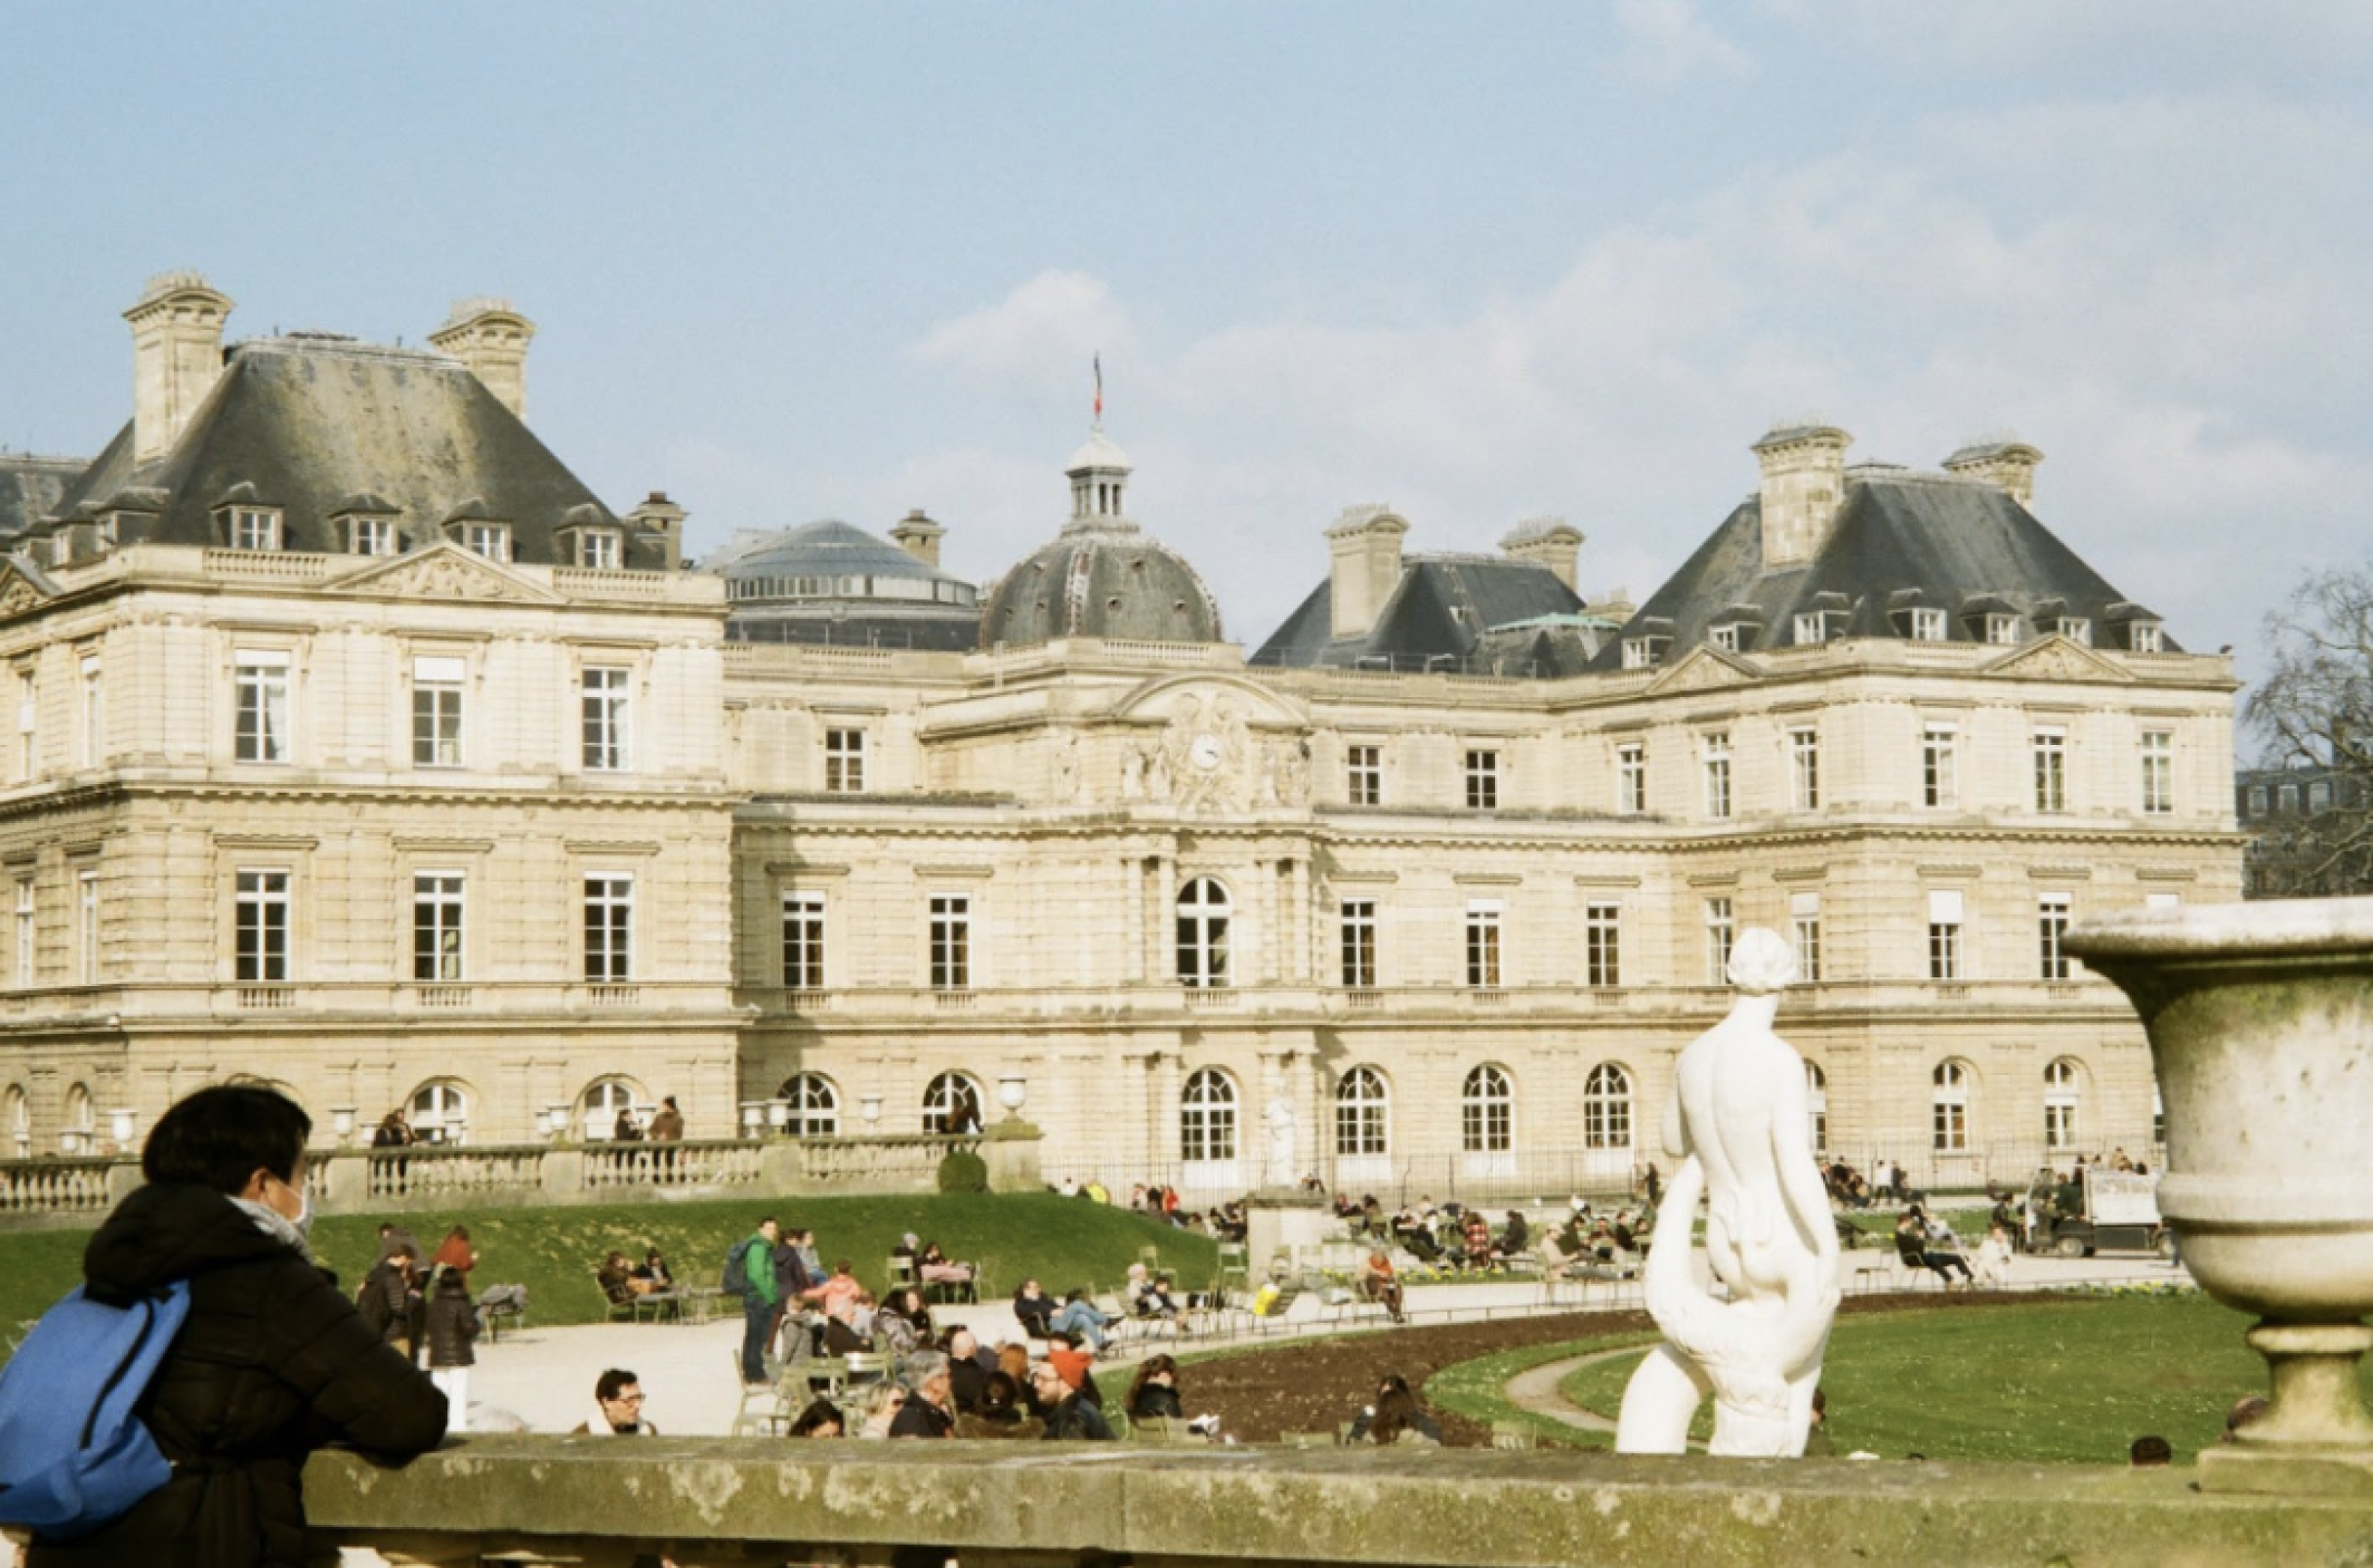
(617, 1408)
(273, 1360)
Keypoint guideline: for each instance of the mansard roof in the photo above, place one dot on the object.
(32, 487)
(1515, 616)
(1902, 539)
(307, 423)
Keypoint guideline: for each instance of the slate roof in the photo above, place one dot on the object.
(31, 488)
(308, 423)
(1455, 610)
(1901, 538)
(881, 596)
(1100, 581)
(827, 547)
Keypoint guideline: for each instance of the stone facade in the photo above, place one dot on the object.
(1417, 931)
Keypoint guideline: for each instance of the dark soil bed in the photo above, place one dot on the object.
(1314, 1385)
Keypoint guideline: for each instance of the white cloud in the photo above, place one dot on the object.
(1039, 338)
(1666, 42)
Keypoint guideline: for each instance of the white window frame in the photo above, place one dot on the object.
(2049, 744)
(948, 1094)
(254, 528)
(1805, 928)
(1715, 753)
(2148, 637)
(1363, 774)
(1639, 653)
(950, 934)
(1947, 917)
(1364, 1113)
(488, 540)
(2063, 1098)
(1482, 773)
(1721, 934)
(1805, 767)
(2076, 628)
(609, 926)
(1929, 624)
(2001, 628)
(1817, 1106)
(2052, 917)
(370, 536)
(28, 724)
(1483, 969)
(86, 925)
(439, 683)
(1940, 767)
(1357, 922)
(263, 727)
(1950, 1108)
(1602, 944)
(439, 1111)
(1724, 636)
(1206, 915)
(844, 760)
(1631, 778)
(606, 706)
(1607, 1107)
(1809, 627)
(811, 1106)
(28, 933)
(597, 549)
(2159, 774)
(94, 712)
(263, 902)
(806, 939)
(1486, 1110)
(441, 925)
(1210, 1117)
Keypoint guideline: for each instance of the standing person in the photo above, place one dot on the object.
(625, 1130)
(667, 1128)
(759, 1300)
(455, 1253)
(452, 1329)
(394, 1133)
(388, 1297)
(272, 1361)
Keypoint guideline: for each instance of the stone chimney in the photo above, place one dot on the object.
(176, 357)
(1803, 482)
(1550, 541)
(2005, 462)
(664, 520)
(1366, 545)
(919, 537)
(491, 338)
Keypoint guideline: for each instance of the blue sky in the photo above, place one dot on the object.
(1482, 261)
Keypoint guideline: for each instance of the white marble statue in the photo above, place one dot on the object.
(1737, 1125)
(1281, 1171)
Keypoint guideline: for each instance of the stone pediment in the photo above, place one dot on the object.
(1171, 697)
(18, 593)
(1705, 669)
(2056, 658)
(447, 572)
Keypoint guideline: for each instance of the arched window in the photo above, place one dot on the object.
(76, 1131)
(1607, 1108)
(1487, 1111)
(599, 1106)
(439, 1111)
(951, 1103)
(1950, 1103)
(1363, 1111)
(1207, 1117)
(2064, 1087)
(1817, 1106)
(17, 1122)
(1203, 915)
(815, 1106)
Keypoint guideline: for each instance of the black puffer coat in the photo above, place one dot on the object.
(273, 1363)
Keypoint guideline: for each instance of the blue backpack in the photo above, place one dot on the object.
(72, 1454)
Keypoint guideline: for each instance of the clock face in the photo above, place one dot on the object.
(1204, 752)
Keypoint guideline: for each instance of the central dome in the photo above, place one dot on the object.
(1102, 576)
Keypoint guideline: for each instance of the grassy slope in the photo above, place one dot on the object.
(2070, 1381)
(1063, 1241)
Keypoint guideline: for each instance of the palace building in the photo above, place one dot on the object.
(362, 750)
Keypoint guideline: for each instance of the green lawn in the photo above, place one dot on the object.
(2065, 1381)
(1063, 1241)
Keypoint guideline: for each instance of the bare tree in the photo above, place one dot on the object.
(2313, 713)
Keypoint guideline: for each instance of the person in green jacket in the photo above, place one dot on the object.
(757, 1298)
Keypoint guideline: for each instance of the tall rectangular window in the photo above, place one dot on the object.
(1364, 775)
(1805, 768)
(260, 953)
(2148, 638)
(845, 762)
(436, 926)
(1722, 929)
(1482, 781)
(1944, 910)
(94, 713)
(2051, 929)
(1805, 926)
(25, 934)
(1927, 625)
(609, 927)
(1360, 943)
(2159, 772)
(1631, 778)
(603, 701)
(492, 540)
(29, 735)
(437, 711)
(1483, 944)
(803, 941)
(1602, 944)
(952, 942)
(1718, 773)
(2051, 769)
(260, 677)
(86, 928)
(1940, 767)
(1812, 628)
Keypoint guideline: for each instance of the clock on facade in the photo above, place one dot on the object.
(1204, 752)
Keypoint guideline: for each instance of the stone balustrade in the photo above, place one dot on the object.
(709, 1502)
(50, 1194)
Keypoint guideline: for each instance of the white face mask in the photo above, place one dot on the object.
(305, 1214)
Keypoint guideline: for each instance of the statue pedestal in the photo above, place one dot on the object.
(1284, 1223)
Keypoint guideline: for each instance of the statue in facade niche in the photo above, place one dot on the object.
(1737, 1125)
(1279, 1117)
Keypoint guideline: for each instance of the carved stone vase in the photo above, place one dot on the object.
(2261, 1025)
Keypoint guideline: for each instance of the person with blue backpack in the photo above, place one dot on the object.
(268, 1361)
(749, 1274)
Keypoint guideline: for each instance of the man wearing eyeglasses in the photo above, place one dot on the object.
(617, 1408)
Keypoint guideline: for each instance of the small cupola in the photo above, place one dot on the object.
(1099, 482)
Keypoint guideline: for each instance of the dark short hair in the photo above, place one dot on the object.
(2151, 1451)
(612, 1383)
(220, 1137)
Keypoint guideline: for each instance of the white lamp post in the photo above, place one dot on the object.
(120, 1126)
(869, 1107)
(342, 1123)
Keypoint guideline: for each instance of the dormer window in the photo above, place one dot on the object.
(109, 531)
(1640, 653)
(1811, 628)
(61, 548)
(2001, 627)
(2145, 637)
(1725, 637)
(370, 536)
(492, 540)
(1928, 624)
(2075, 628)
(597, 549)
(255, 528)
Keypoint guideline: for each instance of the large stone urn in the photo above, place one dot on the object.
(2261, 1025)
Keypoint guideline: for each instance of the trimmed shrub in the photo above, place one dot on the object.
(960, 1172)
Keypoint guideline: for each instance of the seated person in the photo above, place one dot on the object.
(1621, 1231)
(1415, 1236)
(1556, 1261)
(1475, 1240)
(1079, 1318)
(1068, 1416)
(1516, 1238)
(1002, 1412)
(1378, 1283)
(968, 1366)
(1034, 1310)
(651, 1276)
(1603, 1240)
(1994, 1257)
(1153, 1393)
(1912, 1247)
(1077, 1365)
(1160, 1301)
(822, 1419)
(938, 1268)
(842, 1333)
(1396, 1418)
(841, 1286)
(616, 1277)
